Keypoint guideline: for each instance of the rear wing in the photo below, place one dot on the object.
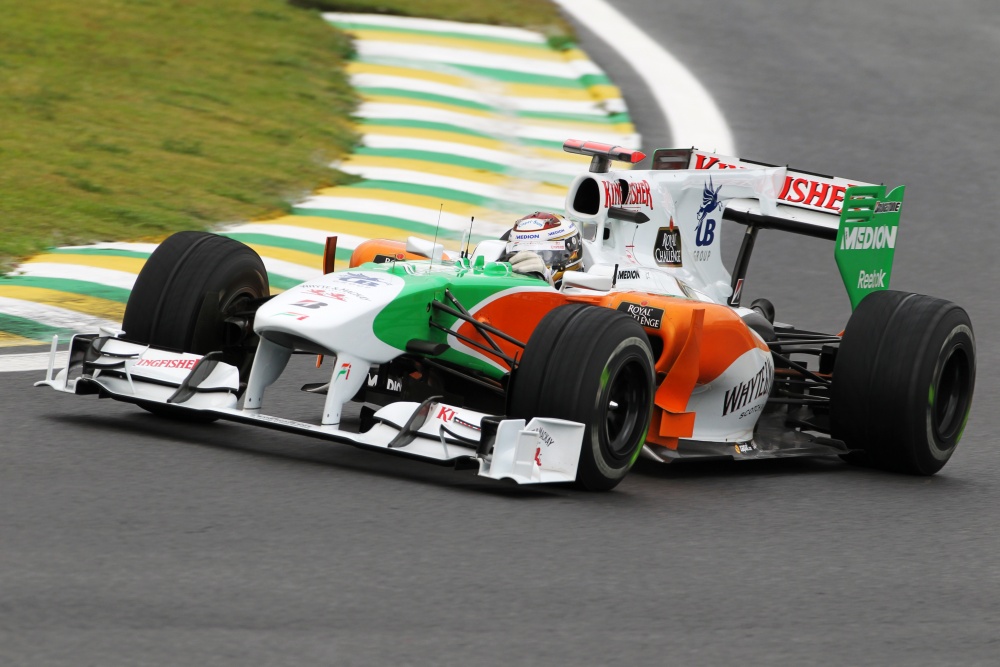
(808, 203)
(860, 217)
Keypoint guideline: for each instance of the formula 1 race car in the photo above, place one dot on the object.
(646, 350)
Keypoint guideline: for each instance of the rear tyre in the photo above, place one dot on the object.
(594, 366)
(187, 290)
(903, 382)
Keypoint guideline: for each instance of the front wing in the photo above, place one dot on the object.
(542, 451)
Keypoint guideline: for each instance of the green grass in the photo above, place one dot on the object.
(132, 119)
(539, 15)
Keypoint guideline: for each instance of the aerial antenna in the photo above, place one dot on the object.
(436, 229)
(466, 238)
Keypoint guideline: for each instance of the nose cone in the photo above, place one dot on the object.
(332, 313)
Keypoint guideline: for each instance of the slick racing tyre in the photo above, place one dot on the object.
(903, 381)
(594, 366)
(187, 290)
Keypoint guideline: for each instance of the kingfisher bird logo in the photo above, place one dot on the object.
(704, 234)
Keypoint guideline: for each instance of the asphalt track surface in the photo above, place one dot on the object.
(125, 540)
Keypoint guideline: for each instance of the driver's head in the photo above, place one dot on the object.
(556, 240)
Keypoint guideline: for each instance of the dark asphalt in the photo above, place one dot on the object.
(127, 540)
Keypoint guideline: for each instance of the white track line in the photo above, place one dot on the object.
(691, 114)
(53, 316)
(36, 361)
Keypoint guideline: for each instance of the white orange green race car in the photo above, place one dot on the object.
(648, 350)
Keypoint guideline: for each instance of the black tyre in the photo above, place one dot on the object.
(188, 288)
(594, 366)
(903, 381)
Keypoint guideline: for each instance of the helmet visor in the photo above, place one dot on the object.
(553, 253)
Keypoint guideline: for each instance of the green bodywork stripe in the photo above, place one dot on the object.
(405, 318)
(70, 286)
(25, 328)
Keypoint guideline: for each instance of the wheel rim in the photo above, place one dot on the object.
(232, 306)
(625, 409)
(951, 395)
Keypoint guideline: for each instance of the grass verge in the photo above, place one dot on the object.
(132, 119)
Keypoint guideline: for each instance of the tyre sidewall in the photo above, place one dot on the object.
(888, 373)
(605, 462)
(952, 336)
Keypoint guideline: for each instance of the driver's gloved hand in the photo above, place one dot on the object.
(528, 262)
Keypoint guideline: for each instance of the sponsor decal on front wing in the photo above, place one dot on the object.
(167, 363)
(311, 304)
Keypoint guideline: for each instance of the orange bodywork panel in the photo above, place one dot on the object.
(699, 342)
(516, 314)
(694, 342)
(672, 421)
(381, 250)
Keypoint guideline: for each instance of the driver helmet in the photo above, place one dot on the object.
(556, 240)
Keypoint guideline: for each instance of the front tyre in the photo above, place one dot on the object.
(197, 293)
(593, 366)
(903, 381)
